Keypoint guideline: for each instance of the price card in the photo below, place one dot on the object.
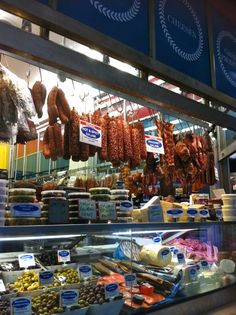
(219, 214)
(192, 271)
(112, 290)
(46, 278)
(107, 210)
(90, 134)
(204, 213)
(154, 144)
(87, 209)
(63, 256)
(155, 213)
(126, 205)
(26, 260)
(181, 258)
(130, 280)
(192, 213)
(85, 272)
(69, 298)
(204, 264)
(175, 213)
(21, 306)
(58, 211)
(157, 240)
(2, 286)
(32, 210)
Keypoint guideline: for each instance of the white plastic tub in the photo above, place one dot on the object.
(3, 182)
(229, 199)
(230, 218)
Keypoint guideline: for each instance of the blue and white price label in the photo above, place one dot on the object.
(175, 213)
(126, 205)
(90, 134)
(192, 213)
(112, 290)
(204, 264)
(63, 256)
(130, 280)
(157, 240)
(21, 306)
(26, 260)
(69, 298)
(219, 214)
(154, 144)
(192, 271)
(181, 258)
(204, 213)
(85, 272)
(32, 210)
(46, 278)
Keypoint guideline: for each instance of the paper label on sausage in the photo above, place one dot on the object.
(90, 134)
(154, 144)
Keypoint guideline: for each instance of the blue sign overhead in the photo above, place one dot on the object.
(124, 20)
(181, 37)
(224, 36)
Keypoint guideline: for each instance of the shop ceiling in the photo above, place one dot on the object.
(51, 56)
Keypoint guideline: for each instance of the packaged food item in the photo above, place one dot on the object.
(21, 191)
(3, 182)
(99, 191)
(119, 197)
(3, 198)
(47, 200)
(156, 255)
(101, 197)
(21, 199)
(120, 192)
(3, 190)
(22, 221)
(79, 195)
(53, 193)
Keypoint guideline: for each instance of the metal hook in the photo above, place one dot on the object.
(40, 74)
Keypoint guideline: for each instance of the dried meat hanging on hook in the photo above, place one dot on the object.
(74, 130)
(39, 93)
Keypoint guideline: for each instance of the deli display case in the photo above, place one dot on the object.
(129, 268)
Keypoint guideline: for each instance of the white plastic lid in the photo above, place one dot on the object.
(119, 191)
(228, 196)
(26, 190)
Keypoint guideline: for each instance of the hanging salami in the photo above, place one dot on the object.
(127, 142)
(74, 125)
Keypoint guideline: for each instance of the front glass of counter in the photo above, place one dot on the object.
(133, 268)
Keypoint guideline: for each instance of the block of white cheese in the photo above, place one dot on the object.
(227, 265)
(156, 255)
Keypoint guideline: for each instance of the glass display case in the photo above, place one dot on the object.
(133, 268)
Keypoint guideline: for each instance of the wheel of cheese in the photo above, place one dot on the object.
(156, 255)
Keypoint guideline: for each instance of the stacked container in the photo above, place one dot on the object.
(229, 207)
(73, 199)
(124, 207)
(48, 195)
(3, 199)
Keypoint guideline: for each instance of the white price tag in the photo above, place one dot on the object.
(32, 210)
(63, 256)
(26, 260)
(126, 205)
(192, 271)
(204, 264)
(2, 286)
(155, 213)
(69, 298)
(130, 280)
(85, 272)
(204, 213)
(154, 144)
(21, 306)
(181, 258)
(192, 213)
(112, 290)
(175, 213)
(90, 134)
(219, 214)
(157, 240)
(46, 278)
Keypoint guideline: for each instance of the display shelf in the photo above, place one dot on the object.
(74, 230)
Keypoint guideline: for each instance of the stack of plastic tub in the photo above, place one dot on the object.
(229, 207)
(3, 199)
